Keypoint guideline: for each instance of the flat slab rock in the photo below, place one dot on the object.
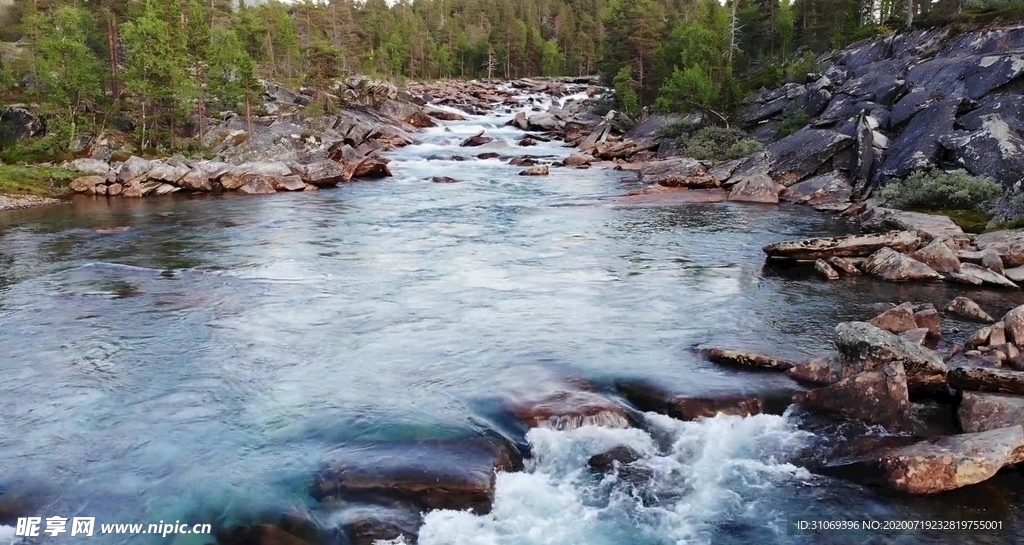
(678, 172)
(976, 275)
(987, 379)
(940, 464)
(671, 196)
(1009, 244)
(832, 189)
(983, 412)
(441, 474)
(864, 347)
(850, 246)
(740, 358)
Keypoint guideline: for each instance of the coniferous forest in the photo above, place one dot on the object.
(165, 62)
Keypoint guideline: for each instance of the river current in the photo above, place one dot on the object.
(199, 358)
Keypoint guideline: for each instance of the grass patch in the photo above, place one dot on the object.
(792, 123)
(39, 181)
(971, 221)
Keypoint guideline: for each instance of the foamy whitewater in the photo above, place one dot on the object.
(703, 473)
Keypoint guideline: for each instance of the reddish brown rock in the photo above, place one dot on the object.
(257, 185)
(651, 398)
(928, 317)
(86, 184)
(678, 172)
(893, 266)
(759, 188)
(845, 265)
(444, 474)
(569, 409)
(876, 397)
(1014, 323)
(740, 358)
(897, 319)
(983, 412)
(986, 379)
(938, 256)
(818, 371)
(966, 308)
(851, 246)
(864, 347)
(917, 336)
(287, 183)
(666, 196)
(825, 270)
(940, 464)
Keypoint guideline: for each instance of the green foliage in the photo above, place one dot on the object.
(792, 123)
(688, 89)
(40, 181)
(625, 91)
(717, 143)
(938, 189)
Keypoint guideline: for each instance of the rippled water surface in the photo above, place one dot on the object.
(204, 361)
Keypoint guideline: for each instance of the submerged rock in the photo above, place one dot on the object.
(476, 140)
(539, 170)
(608, 460)
(744, 359)
(825, 270)
(651, 398)
(566, 409)
(370, 524)
(442, 474)
(851, 246)
(876, 397)
(940, 464)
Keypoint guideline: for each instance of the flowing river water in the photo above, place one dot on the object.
(200, 358)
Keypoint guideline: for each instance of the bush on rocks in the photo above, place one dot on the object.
(720, 144)
(942, 190)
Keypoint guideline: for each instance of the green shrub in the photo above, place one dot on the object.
(30, 180)
(792, 123)
(938, 189)
(718, 143)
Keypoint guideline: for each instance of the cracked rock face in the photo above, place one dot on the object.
(994, 151)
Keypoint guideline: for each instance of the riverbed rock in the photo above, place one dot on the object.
(1016, 274)
(927, 317)
(897, 319)
(850, 246)
(744, 359)
(825, 270)
(519, 121)
(568, 409)
(114, 189)
(940, 464)
(132, 190)
(929, 227)
(677, 172)
(876, 397)
(917, 335)
(444, 180)
(577, 159)
(369, 524)
(197, 179)
(845, 265)
(974, 275)
(649, 397)
(938, 256)
(818, 371)
(991, 260)
(323, 174)
(760, 189)
(983, 412)
(987, 379)
(967, 308)
(478, 139)
(538, 170)
(828, 191)
(608, 460)
(1009, 244)
(979, 338)
(864, 347)
(893, 266)
(288, 183)
(256, 184)
(997, 334)
(434, 474)
(658, 195)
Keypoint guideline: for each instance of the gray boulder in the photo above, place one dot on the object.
(827, 191)
(802, 154)
(994, 151)
(918, 146)
(18, 123)
(864, 347)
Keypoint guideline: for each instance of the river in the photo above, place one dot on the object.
(198, 358)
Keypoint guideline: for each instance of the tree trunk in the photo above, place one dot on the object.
(248, 115)
(910, 13)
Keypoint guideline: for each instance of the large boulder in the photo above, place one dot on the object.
(133, 170)
(804, 153)
(435, 474)
(677, 172)
(18, 122)
(544, 122)
(323, 174)
(893, 266)
(864, 347)
(917, 146)
(90, 166)
(86, 184)
(876, 397)
(829, 191)
(1014, 323)
(995, 151)
(1009, 244)
(940, 464)
(983, 412)
(850, 246)
(938, 256)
